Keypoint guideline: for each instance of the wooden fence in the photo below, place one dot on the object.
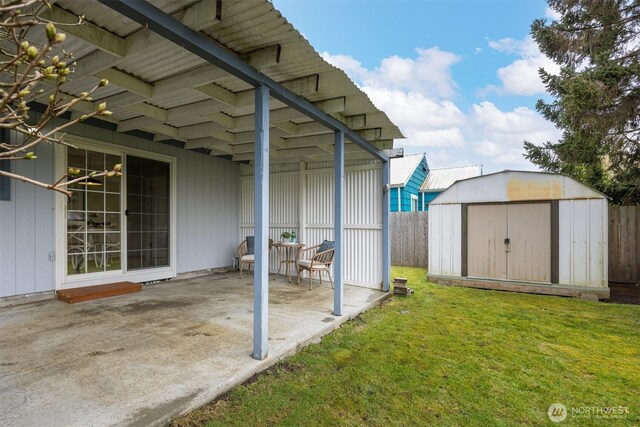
(624, 244)
(409, 239)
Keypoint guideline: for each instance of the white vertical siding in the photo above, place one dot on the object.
(363, 219)
(445, 240)
(284, 190)
(433, 240)
(319, 203)
(583, 242)
(363, 213)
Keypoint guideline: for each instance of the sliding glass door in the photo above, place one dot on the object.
(147, 212)
(94, 231)
(117, 225)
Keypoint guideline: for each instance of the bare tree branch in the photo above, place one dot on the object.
(25, 67)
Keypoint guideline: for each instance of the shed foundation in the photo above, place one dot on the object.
(524, 287)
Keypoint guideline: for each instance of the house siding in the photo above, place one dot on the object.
(207, 213)
(428, 198)
(411, 188)
(394, 199)
(27, 229)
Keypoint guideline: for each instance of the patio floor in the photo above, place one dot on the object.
(141, 359)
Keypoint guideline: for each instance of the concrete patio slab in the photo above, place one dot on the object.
(141, 359)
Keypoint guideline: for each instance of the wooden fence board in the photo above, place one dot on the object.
(624, 244)
(409, 239)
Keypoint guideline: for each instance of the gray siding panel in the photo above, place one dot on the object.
(208, 191)
(26, 230)
(8, 246)
(207, 214)
(182, 223)
(44, 223)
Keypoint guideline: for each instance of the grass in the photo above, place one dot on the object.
(450, 356)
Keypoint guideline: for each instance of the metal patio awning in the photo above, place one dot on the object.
(174, 95)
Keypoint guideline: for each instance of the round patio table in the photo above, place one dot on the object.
(287, 256)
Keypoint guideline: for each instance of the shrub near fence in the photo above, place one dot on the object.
(409, 243)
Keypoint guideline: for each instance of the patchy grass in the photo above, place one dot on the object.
(450, 356)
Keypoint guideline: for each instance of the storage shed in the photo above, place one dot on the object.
(520, 231)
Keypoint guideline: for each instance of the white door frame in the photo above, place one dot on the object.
(62, 280)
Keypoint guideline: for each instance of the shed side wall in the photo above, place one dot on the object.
(583, 242)
(445, 238)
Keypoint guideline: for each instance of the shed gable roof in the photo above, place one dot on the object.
(515, 186)
(403, 168)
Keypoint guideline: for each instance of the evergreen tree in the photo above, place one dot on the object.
(596, 95)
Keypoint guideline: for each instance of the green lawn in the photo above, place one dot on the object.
(451, 356)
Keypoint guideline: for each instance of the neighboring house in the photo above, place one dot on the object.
(184, 129)
(438, 180)
(407, 174)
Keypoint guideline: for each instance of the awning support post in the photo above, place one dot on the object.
(338, 224)
(386, 243)
(261, 215)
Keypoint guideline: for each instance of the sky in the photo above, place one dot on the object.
(458, 77)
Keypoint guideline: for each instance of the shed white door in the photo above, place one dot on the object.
(486, 231)
(529, 231)
(509, 241)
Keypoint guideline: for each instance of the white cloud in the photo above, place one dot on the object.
(521, 76)
(429, 73)
(422, 104)
(434, 138)
(414, 109)
(501, 133)
(348, 64)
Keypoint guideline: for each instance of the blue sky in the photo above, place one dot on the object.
(465, 70)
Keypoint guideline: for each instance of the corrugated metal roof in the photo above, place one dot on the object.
(403, 167)
(245, 26)
(441, 179)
